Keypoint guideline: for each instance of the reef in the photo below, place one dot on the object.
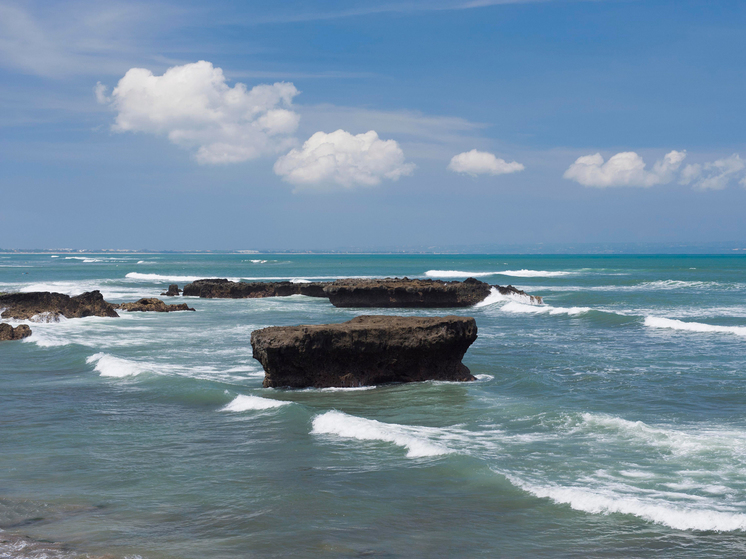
(48, 306)
(152, 305)
(173, 291)
(363, 293)
(364, 351)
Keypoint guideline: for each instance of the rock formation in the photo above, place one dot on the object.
(225, 289)
(7, 332)
(365, 351)
(50, 306)
(363, 293)
(152, 305)
(173, 291)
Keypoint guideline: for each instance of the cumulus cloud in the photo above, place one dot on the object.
(715, 175)
(623, 169)
(344, 159)
(196, 109)
(482, 163)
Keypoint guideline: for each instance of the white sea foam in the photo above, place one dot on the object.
(484, 377)
(161, 278)
(606, 500)
(344, 388)
(110, 366)
(656, 322)
(514, 273)
(351, 427)
(258, 261)
(47, 317)
(246, 403)
(496, 297)
(457, 274)
(54, 256)
(521, 308)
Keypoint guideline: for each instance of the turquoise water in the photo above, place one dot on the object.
(607, 423)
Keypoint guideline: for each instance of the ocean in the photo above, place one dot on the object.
(608, 422)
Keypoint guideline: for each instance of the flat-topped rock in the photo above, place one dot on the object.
(45, 305)
(7, 332)
(405, 292)
(226, 289)
(367, 350)
(152, 305)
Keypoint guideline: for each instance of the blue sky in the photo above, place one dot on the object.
(143, 161)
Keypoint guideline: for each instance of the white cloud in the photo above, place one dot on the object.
(623, 169)
(714, 175)
(482, 163)
(344, 159)
(196, 109)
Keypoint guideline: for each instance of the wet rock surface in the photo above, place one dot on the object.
(152, 305)
(367, 350)
(51, 306)
(7, 332)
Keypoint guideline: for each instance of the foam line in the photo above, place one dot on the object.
(246, 403)
(656, 322)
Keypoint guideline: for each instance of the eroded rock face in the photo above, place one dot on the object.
(7, 332)
(173, 291)
(365, 351)
(26, 306)
(152, 305)
(225, 289)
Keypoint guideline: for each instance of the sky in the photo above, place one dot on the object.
(331, 125)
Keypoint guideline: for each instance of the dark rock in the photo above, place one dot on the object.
(225, 289)
(173, 291)
(152, 305)
(367, 350)
(7, 332)
(389, 293)
(50, 306)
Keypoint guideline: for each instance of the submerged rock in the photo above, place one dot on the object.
(152, 305)
(226, 289)
(7, 332)
(173, 291)
(51, 306)
(365, 351)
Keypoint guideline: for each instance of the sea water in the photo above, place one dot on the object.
(607, 422)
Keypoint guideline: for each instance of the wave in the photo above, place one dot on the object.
(496, 297)
(655, 322)
(516, 307)
(110, 366)
(352, 427)
(606, 500)
(514, 273)
(160, 277)
(245, 403)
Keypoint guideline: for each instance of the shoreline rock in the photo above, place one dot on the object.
(365, 351)
(151, 304)
(7, 332)
(51, 306)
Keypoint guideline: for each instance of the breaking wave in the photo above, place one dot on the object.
(656, 322)
(245, 403)
(346, 426)
(110, 366)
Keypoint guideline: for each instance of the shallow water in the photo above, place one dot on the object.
(608, 422)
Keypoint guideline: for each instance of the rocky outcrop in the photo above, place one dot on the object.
(173, 291)
(226, 289)
(7, 332)
(51, 306)
(365, 351)
(363, 293)
(152, 305)
(389, 293)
